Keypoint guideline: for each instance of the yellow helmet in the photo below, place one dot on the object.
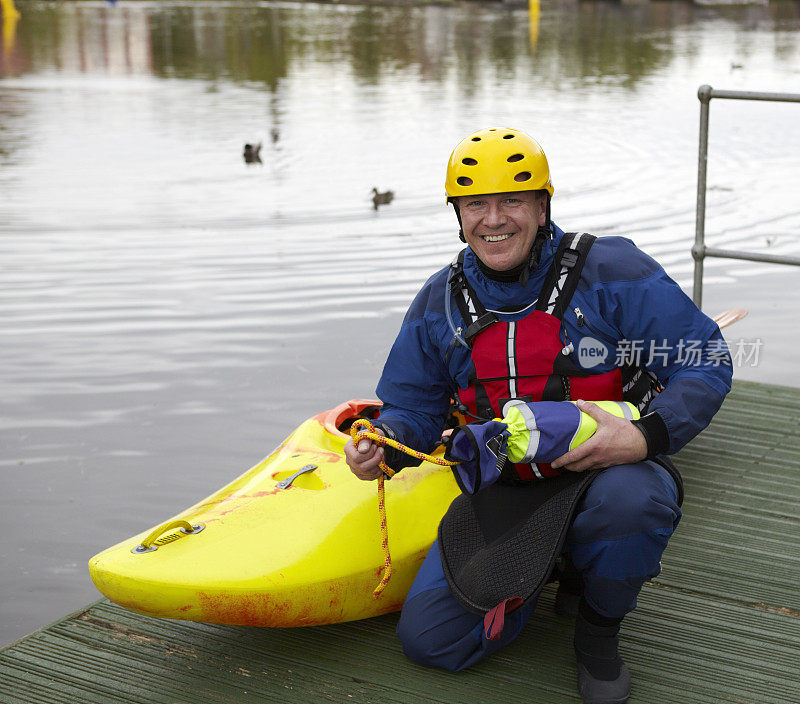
(497, 160)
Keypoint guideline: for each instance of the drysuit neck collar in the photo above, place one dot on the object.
(522, 271)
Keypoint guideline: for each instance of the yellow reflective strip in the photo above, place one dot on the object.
(517, 443)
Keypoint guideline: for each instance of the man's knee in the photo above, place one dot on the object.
(411, 633)
(433, 638)
(627, 500)
(420, 644)
(436, 631)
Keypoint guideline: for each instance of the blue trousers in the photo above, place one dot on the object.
(616, 540)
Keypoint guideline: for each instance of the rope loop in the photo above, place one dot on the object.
(363, 429)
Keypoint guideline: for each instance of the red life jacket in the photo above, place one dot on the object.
(529, 359)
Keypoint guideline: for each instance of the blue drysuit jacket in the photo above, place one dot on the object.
(628, 303)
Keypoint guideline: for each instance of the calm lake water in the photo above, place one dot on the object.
(169, 313)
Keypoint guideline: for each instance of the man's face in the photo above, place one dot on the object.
(501, 227)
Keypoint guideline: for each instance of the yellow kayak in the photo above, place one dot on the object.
(294, 541)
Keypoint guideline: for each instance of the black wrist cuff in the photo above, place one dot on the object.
(394, 458)
(655, 434)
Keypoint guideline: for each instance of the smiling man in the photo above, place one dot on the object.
(500, 228)
(529, 313)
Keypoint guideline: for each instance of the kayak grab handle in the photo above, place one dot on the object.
(286, 483)
(151, 542)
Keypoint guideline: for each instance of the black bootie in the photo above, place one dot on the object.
(603, 677)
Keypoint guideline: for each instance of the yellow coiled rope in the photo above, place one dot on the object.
(369, 433)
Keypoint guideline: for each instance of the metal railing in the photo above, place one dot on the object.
(699, 250)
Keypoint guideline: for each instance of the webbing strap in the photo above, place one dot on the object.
(494, 621)
(565, 273)
(475, 316)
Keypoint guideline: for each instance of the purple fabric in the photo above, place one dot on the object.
(477, 448)
(557, 422)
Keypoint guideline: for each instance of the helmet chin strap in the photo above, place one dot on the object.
(460, 226)
(542, 234)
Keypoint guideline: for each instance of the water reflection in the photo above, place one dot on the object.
(267, 43)
(9, 16)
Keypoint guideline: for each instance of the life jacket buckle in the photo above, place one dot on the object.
(569, 258)
(480, 324)
(457, 279)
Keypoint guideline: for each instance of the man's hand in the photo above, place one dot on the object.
(616, 441)
(364, 459)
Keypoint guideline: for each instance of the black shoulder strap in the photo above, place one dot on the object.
(565, 273)
(475, 316)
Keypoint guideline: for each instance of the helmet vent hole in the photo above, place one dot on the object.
(469, 161)
(476, 139)
(508, 136)
(516, 157)
(522, 176)
(464, 181)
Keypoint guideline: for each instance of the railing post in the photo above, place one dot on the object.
(698, 251)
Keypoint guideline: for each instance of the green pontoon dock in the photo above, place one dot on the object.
(721, 624)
